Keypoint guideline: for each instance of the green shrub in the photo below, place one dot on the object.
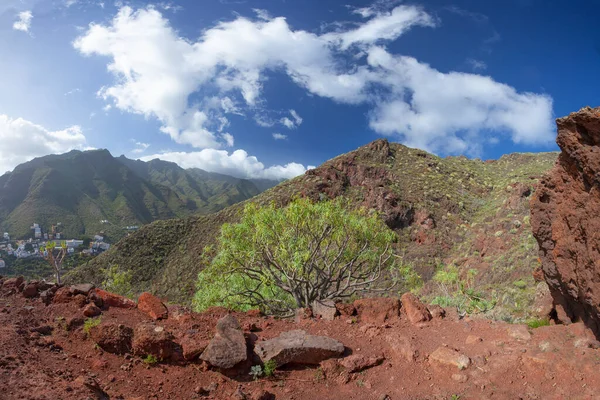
(521, 284)
(117, 281)
(538, 322)
(150, 360)
(279, 259)
(90, 323)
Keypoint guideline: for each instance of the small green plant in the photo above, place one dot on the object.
(521, 284)
(538, 322)
(150, 360)
(256, 372)
(455, 397)
(61, 322)
(319, 376)
(360, 383)
(269, 368)
(90, 323)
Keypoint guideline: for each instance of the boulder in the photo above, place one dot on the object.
(114, 300)
(402, 347)
(47, 295)
(324, 308)
(377, 310)
(228, 347)
(112, 337)
(436, 311)
(62, 295)
(415, 310)
(359, 362)
(80, 300)
(31, 290)
(543, 305)
(82, 288)
(192, 344)
(297, 347)
(150, 339)
(91, 310)
(152, 306)
(564, 210)
(97, 300)
(449, 357)
(13, 283)
(346, 309)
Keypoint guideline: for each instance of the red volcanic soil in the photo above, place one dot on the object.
(45, 354)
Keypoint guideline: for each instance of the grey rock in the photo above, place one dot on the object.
(325, 308)
(228, 347)
(299, 348)
(83, 288)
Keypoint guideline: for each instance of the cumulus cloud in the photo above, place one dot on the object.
(279, 136)
(23, 140)
(140, 147)
(237, 163)
(157, 71)
(23, 23)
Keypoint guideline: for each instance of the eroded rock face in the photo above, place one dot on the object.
(564, 219)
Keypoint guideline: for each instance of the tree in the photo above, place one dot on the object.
(279, 259)
(55, 257)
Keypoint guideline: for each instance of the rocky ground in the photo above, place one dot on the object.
(90, 344)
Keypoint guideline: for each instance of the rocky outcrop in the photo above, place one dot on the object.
(564, 218)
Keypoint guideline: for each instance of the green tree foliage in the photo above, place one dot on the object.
(282, 258)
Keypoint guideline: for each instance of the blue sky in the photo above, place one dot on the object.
(270, 88)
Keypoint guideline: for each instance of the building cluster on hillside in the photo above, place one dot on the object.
(31, 247)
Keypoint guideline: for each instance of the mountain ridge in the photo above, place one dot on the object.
(82, 188)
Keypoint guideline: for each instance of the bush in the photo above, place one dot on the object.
(279, 259)
(117, 281)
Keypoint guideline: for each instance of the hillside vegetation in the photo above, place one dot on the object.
(81, 189)
(463, 225)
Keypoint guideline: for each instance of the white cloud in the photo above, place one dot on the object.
(69, 3)
(288, 123)
(477, 65)
(444, 112)
(237, 163)
(296, 117)
(279, 136)
(157, 71)
(140, 147)
(262, 14)
(73, 91)
(384, 26)
(21, 141)
(23, 23)
(291, 123)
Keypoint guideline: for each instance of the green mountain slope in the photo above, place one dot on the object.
(81, 189)
(448, 212)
